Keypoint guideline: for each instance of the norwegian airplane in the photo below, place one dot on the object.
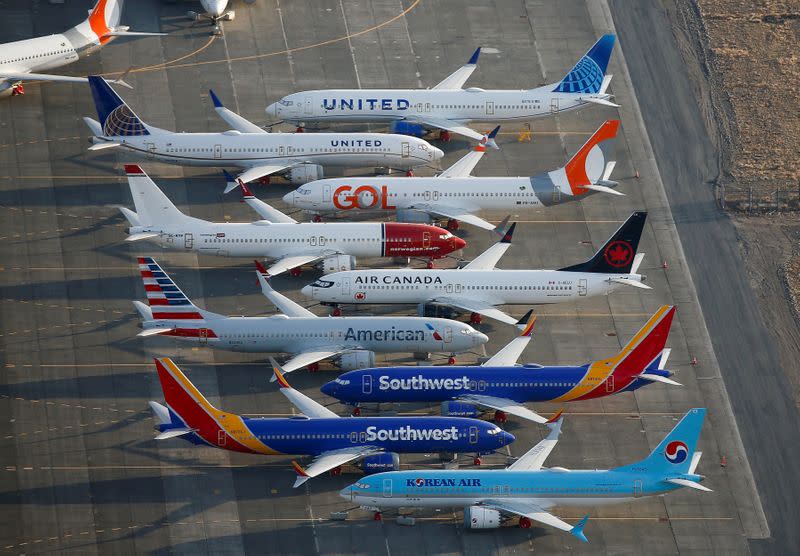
(458, 196)
(26, 60)
(502, 385)
(353, 341)
(330, 440)
(448, 107)
(479, 287)
(288, 243)
(298, 156)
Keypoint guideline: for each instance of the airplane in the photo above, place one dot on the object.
(298, 156)
(448, 107)
(479, 287)
(530, 491)
(504, 386)
(457, 195)
(288, 243)
(353, 341)
(25, 60)
(214, 11)
(330, 440)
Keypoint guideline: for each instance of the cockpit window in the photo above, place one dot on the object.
(322, 284)
(494, 431)
(342, 381)
(306, 191)
(284, 102)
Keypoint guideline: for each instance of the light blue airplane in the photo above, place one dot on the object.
(529, 491)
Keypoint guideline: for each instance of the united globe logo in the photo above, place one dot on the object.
(676, 452)
(122, 122)
(585, 77)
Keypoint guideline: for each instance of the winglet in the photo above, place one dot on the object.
(526, 324)
(577, 530)
(501, 228)
(278, 374)
(231, 182)
(302, 476)
(490, 138)
(261, 269)
(474, 58)
(556, 416)
(508, 234)
(215, 99)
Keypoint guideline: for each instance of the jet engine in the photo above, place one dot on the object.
(459, 409)
(337, 263)
(305, 173)
(477, 517)
(406, 128)
(379, 463)
(413, 216)
(357, 359)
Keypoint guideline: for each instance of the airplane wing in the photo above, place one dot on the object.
(233, 119)
(447, 125)
(456, 80)
(534, 458)
(464, 166)
(264, 210)
(283, 303)
(257, 172)
(456, 213)
(306, 358)
(288, 263)
(536, 512)
(476, 306)
(306, 405)
(509, 355)
(488, 259)
(41, 77)
(505, 405)
(330, 460)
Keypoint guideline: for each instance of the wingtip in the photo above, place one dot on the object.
(277, 374)
(261, 269)
(502, 227)
(494, 132)
(556, 416)
(509, 234)
(215, 99)
(527, 322)
(474, 58)
(577, 530)
(299, 470)
(133, 169)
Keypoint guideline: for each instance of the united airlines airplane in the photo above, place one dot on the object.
(504, 386)
(448, 107)
(527, 490)
(330, 440)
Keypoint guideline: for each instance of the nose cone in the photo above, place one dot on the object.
(289, 198)
(506, 438)
(458, 243)
(329, 388)
(272, 110)
(479, 338)
(216, 7)
(437, 153)
(307, 291)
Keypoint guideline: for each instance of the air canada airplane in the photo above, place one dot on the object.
(504, 386)
(479, 287)
(26, 60)
(458, 196)
(330, 440)
(448, 107)
(353, 341)
(288, 243)
(300, 157)
(528, 490)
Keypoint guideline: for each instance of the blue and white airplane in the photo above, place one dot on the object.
(528, 490)
(331, 440)
(448, 107)
(504, 386)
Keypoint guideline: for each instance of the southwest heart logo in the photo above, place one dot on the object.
(676, 452)
(618, 253)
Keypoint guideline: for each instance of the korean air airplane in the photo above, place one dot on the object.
(479, 287)
(448, 107)
(458, 196)
(299, 157)
(330, 440)
(353, 341)
(529, 491)
(504, 386)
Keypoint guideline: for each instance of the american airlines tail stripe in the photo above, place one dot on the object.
(177, 316)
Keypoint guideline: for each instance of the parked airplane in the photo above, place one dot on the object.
(528, 490)
(353, 341)
(479, 287)
(214, 11)
(290, 244)
(504, 386)
(25, 60)
(331, 440)
(456, 195)
(298, 156)
(448, 107)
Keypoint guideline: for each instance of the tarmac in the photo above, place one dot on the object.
(81, 472)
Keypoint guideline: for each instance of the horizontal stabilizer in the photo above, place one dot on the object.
(602, 189)
(142, 236)
(629, 282)
(104, 145)
(659, 378)
(172, 433)
(689, 484)
(601, 101)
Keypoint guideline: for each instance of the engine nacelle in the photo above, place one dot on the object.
(357, 359)
(305, 173)
(337, 263)
(477, 517)
(413, 216)
(459, 409)
(379, 463)
(406, 128)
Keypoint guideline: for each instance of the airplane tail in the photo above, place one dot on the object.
(116, 117)
(153, 207)
(588, 75)
(618, 255)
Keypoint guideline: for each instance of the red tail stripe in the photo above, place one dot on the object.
(147, 274)
(152, 288)
(178, 316)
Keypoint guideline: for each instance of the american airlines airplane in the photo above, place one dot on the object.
(479, 287)
(449, 107)
(298, 156)
(458, 196)
(26, 60)
(332, 441)
(353, 341)
(530, 491)
(288, 243)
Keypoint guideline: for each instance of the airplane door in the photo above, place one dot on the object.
(426, 240)
(582, 287)
(366, 384)
(151, 150)
(346, 286)
(473, 435)
(387, 488)
(610, 384)
(435, 195)
(282, 150)
(448, 334)
(217, 151)
(221, 437)
(406, 149)
(188, 241)
(637, 488)
(427, 107)
(456, 288)
(489, 108)
(554, 104)
(427, 195)
(202, 336)
(307, 106)
(326, 194)
(449, 288)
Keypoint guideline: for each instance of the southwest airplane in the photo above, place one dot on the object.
(528, 490)
(331, 440)
(456, 195)
(448, 107)
(25, 60)
(290, 244)
(298, 156)
(297, 331)
(479, 287)
(502, 385)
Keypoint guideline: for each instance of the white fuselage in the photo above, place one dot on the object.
(37, 55)
(214, 8)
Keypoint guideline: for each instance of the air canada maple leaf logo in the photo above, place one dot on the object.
(618, 253)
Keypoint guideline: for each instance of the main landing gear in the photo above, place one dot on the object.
(444, 136)
(17, 89)
(500, 417)
(356, 412)
(296, 271)
(524, 522)
(477, 461)
(452, 225)
(313, 367)
(475, 318)
(430, 264)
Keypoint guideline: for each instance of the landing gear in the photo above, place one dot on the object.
(451, 360)
(500, 417)
(430, 265)
(452, 225)
(356, 412)
(409, 173)
(17, 89)
(313, 367)
(300, 130)
(377, 516)
(477, 461)
(337, 312)
(296, 271)
(317, 218)
(264, 180)
(444, 136)
(475, 318)
(524, 522)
